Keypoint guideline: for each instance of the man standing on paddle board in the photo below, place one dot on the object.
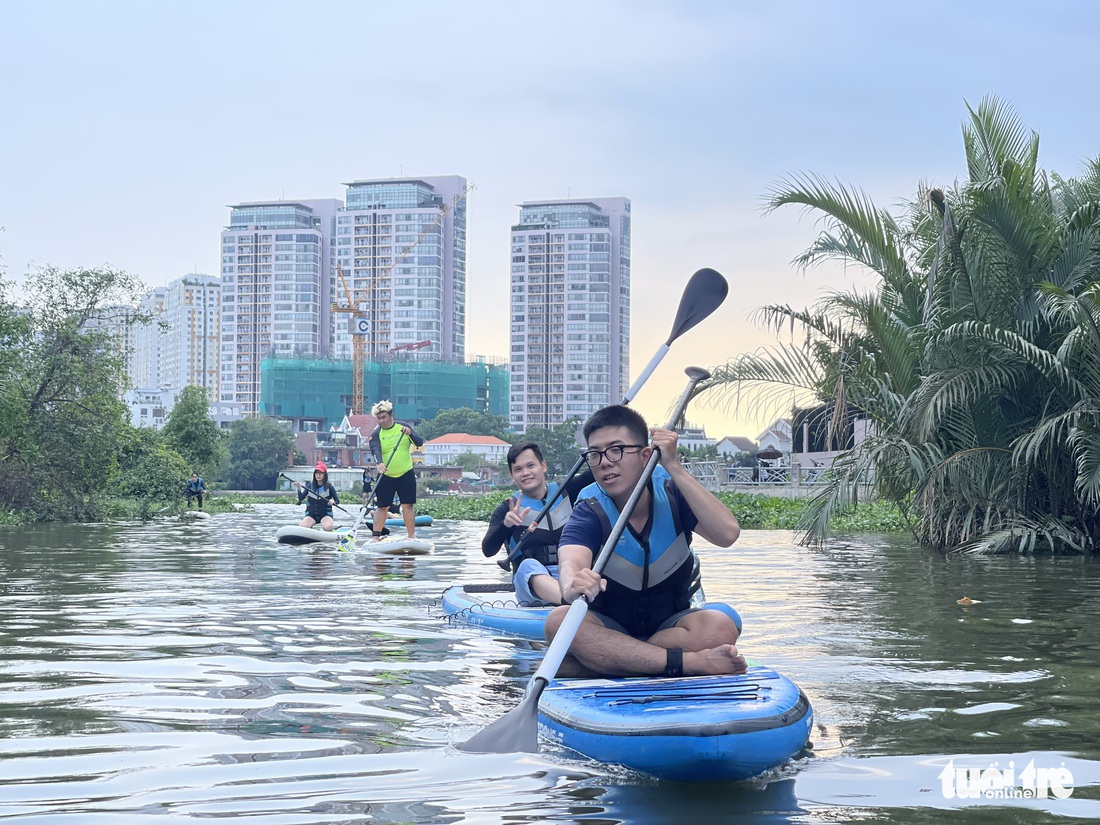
(392, 443)
(641, 622)
(535, 565)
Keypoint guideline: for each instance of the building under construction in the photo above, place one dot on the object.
(315, 394)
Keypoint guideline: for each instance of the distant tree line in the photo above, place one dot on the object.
(67, 446)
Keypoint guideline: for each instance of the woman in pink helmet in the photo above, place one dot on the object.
(319, 504)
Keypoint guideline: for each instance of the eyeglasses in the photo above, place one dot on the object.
(613, 454)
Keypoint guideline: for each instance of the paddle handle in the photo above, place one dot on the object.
(517, 552)
(695, 375)
(704, 293)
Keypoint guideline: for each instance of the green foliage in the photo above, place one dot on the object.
(470, 508)
(976, 359)
(191, 433)
(62, 425)
(152, 472)
(559, 445)
(463, 420)
(707, 452)
(259, 449)
(753, 511)
(467, 461)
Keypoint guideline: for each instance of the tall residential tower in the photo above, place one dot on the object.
(570, 318)
(401, 246)
(275, 289)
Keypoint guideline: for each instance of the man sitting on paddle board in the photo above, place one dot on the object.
(535, 567)
(641, 622)
(392, 443)
(318, 505)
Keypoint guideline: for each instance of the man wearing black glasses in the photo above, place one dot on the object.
(640, 621)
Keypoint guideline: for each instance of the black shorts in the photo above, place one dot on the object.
(404, 486)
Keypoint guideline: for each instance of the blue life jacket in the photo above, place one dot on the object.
(317, 508)
(649, 577)
(542, 542)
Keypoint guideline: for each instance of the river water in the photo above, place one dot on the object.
(203, 672)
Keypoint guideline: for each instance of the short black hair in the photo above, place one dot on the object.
(618, 415)
(513, 453)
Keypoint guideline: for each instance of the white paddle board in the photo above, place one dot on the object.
(398, 546)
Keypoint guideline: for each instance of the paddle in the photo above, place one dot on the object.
(518, 729)
(704, 293)
(312, 494)
(347, 542)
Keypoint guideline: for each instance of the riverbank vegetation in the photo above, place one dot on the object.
(976, 359)
(67, 446)
(753, 510)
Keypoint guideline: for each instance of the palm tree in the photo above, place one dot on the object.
(977, 357)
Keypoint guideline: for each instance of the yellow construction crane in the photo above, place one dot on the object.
(361, 304)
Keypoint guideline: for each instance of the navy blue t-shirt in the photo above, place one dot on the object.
(584, 527)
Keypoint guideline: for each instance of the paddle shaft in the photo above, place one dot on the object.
(517, 730)
(704, 293)
(349, 540)
(393, 452)
(312, 494)
(579, 607)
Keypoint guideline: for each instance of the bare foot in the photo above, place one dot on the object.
(716, 660)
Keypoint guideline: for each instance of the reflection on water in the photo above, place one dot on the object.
(204, 671)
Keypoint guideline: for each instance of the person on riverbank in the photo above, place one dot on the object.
(641, 621)
(535, 566)
(194, 488)
(319, 496)
(391, 443)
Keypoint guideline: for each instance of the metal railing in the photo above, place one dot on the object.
(715, 475)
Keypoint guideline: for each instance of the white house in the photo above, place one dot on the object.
(776, 437)
(692, 438)
(447, 448)
(731, 445)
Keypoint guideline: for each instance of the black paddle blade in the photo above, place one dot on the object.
(704, 293)
(517, 731)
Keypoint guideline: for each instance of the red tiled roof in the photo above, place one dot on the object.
(364, 423)
(466, 438)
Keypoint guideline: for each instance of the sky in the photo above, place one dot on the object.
(127, 128)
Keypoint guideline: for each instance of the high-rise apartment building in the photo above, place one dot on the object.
(192, 306)
(275, 289)
(147, 359)
(570, 309)
(401, 246)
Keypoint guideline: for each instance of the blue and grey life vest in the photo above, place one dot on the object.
(650, 576)
(542, 542)
(317, 508)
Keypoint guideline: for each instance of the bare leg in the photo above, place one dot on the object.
(326, 523)
(606, 651)
(307, 522)
(546, 588)
(379, 520)
(409, 517)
